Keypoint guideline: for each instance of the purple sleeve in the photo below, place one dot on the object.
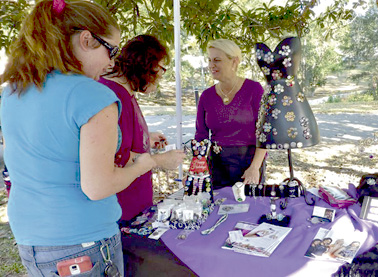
(202, 131)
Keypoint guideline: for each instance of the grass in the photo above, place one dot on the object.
(10, 262)
(355, 103)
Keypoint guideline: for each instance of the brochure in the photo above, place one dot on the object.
(321, 214)
(336, 244)
(243, 227)
(262, 240)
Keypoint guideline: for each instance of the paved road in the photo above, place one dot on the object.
(342, 128)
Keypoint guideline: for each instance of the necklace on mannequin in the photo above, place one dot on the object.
(225, 97)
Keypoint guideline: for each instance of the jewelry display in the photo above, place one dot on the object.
(260, 187)
(217, 149)
(253, 187)
(273, 192)
(238, 190)
(199, 180)
(274, 218)
(286, 120)
(265, 190)
(219, 222)
(292, 188)
(264, 194)
(282, 189)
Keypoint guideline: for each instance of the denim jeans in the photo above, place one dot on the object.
(42, 260)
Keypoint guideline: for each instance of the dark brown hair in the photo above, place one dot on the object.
(44, 42)
(139, 60)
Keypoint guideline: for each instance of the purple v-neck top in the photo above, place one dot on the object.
(233, 124)
(135, 137)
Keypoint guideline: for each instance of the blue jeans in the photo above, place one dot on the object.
(42, 260)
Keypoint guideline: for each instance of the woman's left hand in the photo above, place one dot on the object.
(251, 175)
(158, 140)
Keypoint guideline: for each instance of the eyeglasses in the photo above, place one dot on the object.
(162, 68)
(113, 50)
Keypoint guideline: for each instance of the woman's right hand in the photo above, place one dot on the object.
(169, 160)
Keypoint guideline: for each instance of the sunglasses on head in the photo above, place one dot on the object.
(113, 50)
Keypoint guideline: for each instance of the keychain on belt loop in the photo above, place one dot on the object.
(111, 269)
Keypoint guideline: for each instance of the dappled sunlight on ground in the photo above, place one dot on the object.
(3, 214)
(330, 165)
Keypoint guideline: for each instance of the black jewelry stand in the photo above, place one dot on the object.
(295, 188)
(301, 187)
(273, 217)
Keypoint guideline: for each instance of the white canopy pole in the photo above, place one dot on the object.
(176, 17)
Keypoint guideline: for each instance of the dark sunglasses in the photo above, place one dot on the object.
(162, 68)
(113, 50)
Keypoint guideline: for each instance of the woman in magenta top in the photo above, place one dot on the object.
(139, 68)
(227, 114)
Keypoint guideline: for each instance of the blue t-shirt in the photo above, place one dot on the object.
(41, 129)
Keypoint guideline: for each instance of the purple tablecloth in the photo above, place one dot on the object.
(204, 255)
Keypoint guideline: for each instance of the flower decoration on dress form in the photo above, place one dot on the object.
(290, 116)
(292, 132)
(259, 54)
(286, 100)
(306, 134)
(269, 57)
(275, 113)
(267, 109)
(265, 70)
(287, 62)
(262, 137)
(285, 51)
(300, 97)
(267, 127)
(290, 81)
(283, 67)
(257, 133)
(304, 122)
(272, 100)
(277, 74)
(279, 88)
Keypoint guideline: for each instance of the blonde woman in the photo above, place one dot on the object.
(227, 114)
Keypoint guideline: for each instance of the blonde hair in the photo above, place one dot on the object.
(230, 48)
(44, 42)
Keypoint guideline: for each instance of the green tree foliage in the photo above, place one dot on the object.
(319, 58)
(360, 48)
(244, 21)
(12, 13)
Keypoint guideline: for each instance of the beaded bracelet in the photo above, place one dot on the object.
(273, 192)
(260, 187)
(253, 186)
